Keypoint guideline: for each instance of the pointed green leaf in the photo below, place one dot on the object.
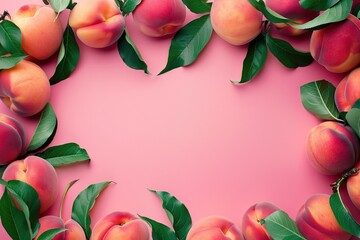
(188, 42)
(318, 98)
(7, 62)
(270, 15)
(83, 204)
(159, 230)
(198, 6)
(318, 5)
(59, 5)
(353, 119)
(2, 169)
(10, 37)
(129, 6)
(51, 233)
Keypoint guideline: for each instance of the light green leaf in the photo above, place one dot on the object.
(51, 233)
(159, 230)
(7, 62)
(129, 6)
(59, 5)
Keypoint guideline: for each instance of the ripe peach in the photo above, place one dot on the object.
(353, 188)
(51, 222)
(38, 173)
(13, 139)
(235, 21)
(336, 47)
(332, 148)
(41, 30)
(348, 91)
(316, 220)
(159, 18)
(97, 23)
(214, 228)
(120, 225)
(25, 88)
(251, 228)
(74, 231)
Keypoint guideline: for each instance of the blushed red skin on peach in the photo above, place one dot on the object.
(235, 21)
(38, 173)
(353, 188)
(51, 222)
(25, 88)
(97, 23)
(74, 231)
(336, 47)
(159, 18)
(214, 228)
(348, 91)
(41, 30)
(332, 148)
(316, 220)
(120, 225)
(251, 228)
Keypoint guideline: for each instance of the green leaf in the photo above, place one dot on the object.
(188, 42)
(84, 202)
(287, 54)
(130, 54)
(59, 5)
(356, 104)
(270, 15)
(10, 37)
(7, 62)
(45, 130)
(50, 234)
(353, 119)
(280, 226)
(198, 6)
(64, 154)
(318, 98)
(129, 6)
(178, 214)
(159, 230)
(318, 5)
(337, 13)
(68, 58)
(2, 50)
(2, 169)
(343, 216)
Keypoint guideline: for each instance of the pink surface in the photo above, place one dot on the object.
(218, 147)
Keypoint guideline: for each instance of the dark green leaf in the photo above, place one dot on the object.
(188, 42)
(84, 202)
(59, 5)
(2, 50)
(7, 62)
(50, 234)
(64, 154)
(353, 119)
(68, 57)
(268, 13)
(130, 54)
(120, 4)
(356, 104)
(343, 216)
(198, 6)
(337, 13)
(287, 54)
(318, 5)
(178, 214)
(45, 130)
(129, 6)
(2, 169)
(159, 230)
(280, 226)
(318, 98)
(10, 37)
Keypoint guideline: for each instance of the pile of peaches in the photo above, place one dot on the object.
(332, 146)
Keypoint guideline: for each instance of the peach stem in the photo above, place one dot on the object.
(4, 15)
(336, 185)
(64, 195)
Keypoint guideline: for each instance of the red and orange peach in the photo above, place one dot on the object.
(73, 231)
(348, 91)
(353, 188)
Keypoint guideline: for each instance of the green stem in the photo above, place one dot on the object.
(336, 185)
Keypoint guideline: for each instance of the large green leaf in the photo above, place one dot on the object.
(270, 15)
(353, 119)
(159, 230)
(51, 233)
(198, 6)
(10, 37)
(318, 5)
(7, 62)
(129, 6)
(188, 42)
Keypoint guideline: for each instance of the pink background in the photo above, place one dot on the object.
(219, 148)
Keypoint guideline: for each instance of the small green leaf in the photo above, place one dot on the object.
(10, 37)
(353, 119)
(178, 214)
(159, 230)
(84, 202)
(64, 154)
(7, 62)
(2, 169)
(51, 233)
(68, 58)
(59, 5)
(130, 54)
(280, 226)
(336, 13)
(45, 130)
(129, 6)
(356, 104)
(318, 98)
(270, 15)
(188, 42)
(198, 6)
(287, 54)
(318, 5)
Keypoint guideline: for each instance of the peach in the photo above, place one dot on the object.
(41, 30)
(38, 173)
(336, 47)
(13, 139)
(235, 21)
(348, 91)
(97, 23)
(332, 148)
(251, 228)
(74, 231)
(316, 220)
(120, 225)
(214, 228)
(51, 222)
(353, 188)
(25, 88)
(159, 18)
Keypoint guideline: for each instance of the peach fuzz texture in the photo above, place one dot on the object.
(38, 173)
(97, 23)
(39, 42)
(120, 225)
(13, 139)
(316, 220)
(74, 231)
(51, 222)
(353, 188)
(348, 91)
(335, 47)
(235, 21)
(25, 88)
